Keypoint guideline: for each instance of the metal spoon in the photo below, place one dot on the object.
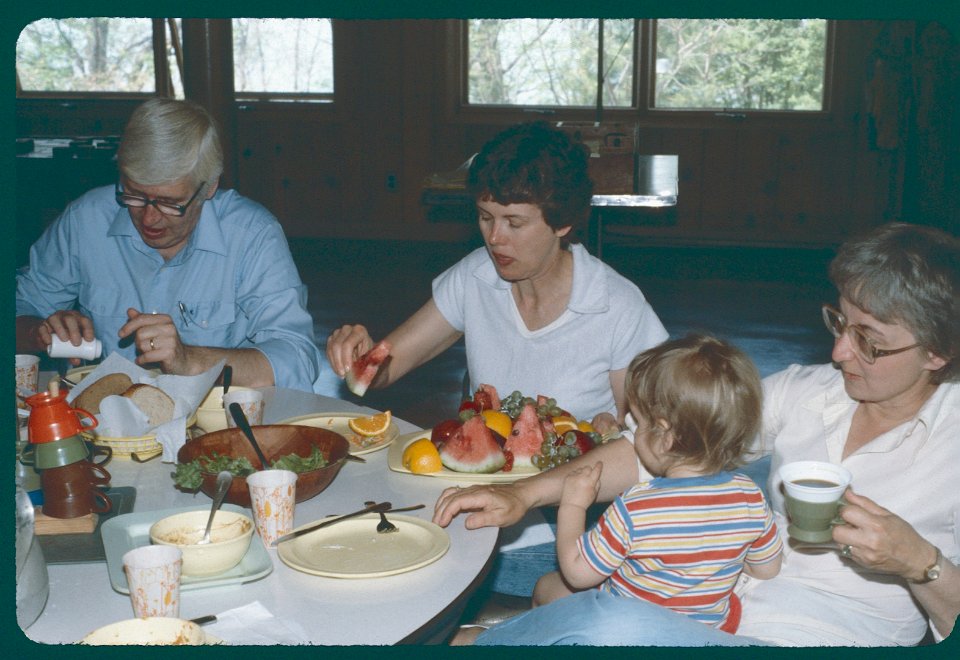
(224, 479)
(237, 412)
(384, 526)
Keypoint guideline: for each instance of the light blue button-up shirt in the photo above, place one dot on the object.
(235, 278)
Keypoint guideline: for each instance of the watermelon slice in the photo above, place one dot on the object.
(526, 438)
(472, 448)
(365, 368)
(486, 397)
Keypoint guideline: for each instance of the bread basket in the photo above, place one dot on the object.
(124, 447)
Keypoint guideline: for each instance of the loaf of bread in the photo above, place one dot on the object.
(154, 402)
(91, 397)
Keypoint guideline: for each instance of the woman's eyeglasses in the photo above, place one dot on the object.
(862, 345)
(167, 208)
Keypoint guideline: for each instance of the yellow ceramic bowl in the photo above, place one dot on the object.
(229, 539)
(154, 631)
(210, 415)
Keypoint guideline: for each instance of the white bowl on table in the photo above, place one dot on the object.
(229, 539)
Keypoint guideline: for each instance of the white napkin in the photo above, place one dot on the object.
(254, 624)
(119, 417)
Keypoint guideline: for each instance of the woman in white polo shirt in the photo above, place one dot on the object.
(537, 313)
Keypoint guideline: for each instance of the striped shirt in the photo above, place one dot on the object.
(681, 543)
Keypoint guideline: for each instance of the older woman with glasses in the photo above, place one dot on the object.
(167, 269)
(887, 409)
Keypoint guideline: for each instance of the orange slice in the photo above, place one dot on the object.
(370, 426)
(498, 421)
(563, 423)
(421, 457)
(586, 426)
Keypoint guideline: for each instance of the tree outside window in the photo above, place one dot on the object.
(697, 64)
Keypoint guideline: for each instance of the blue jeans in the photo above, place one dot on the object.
(515, 572)
(597, 618)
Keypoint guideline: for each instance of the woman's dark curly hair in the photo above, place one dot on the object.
(535, 163)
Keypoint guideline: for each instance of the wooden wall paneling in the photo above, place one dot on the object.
(723, 182)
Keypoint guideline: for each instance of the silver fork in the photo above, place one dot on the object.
(384, 526)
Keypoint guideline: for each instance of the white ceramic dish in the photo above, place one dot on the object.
(132, 530)
(339, 423)
(395, 462)
(354, 549)
(153, 631)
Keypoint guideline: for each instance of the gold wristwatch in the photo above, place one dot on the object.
(931, 572)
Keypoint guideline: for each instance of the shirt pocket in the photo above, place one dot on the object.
(202, 317)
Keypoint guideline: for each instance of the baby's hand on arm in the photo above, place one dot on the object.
(580, 487)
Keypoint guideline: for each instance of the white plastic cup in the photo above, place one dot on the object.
(273, 495)
(87, 350)
(153, 575)
(251, 402)
(28, 372)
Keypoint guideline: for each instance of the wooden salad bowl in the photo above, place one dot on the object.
(275, 440)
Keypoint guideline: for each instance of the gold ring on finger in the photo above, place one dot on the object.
(152, 347)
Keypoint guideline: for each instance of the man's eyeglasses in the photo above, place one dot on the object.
(167, 208)
(862, 345)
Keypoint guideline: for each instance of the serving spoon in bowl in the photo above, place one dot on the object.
(244, 425)
(224, 479)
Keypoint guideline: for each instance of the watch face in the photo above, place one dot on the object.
(933, 572)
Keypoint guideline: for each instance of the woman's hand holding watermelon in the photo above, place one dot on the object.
(345, 345)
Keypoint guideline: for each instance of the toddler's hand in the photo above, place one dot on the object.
(580, 486)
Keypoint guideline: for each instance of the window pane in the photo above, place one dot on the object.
(744, 64)
(286, 56)
(87, 55)
(548, 62)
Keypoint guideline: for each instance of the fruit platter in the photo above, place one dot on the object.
(494, 440)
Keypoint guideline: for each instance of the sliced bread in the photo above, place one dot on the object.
(91, 397)
(154, 402)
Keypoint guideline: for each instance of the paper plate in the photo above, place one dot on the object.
(338, 422)
(395, 463)
(354, 549)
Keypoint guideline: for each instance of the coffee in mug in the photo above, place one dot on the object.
(813, 491)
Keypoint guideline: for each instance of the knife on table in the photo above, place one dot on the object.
(382, 507)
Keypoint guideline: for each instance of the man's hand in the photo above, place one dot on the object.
(35, 334)
(157, 341)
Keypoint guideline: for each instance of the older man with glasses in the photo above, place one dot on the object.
(167, 269)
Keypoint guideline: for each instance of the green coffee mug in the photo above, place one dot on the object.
(56, 453)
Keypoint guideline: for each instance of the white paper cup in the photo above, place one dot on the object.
(153, 575)
(87, 350)
(28, 372)
(251, 401)
(272, 498)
